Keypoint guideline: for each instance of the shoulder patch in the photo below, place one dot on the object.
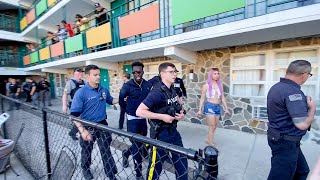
(295, 97)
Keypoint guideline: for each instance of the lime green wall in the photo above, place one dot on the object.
(189, 10)
(34, 57)
(74, 44)
(41, 7)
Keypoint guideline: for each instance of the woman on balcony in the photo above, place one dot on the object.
(213, 91)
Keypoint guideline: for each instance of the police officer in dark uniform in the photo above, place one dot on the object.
(43, 86)
(135, 90)
(35, 93)
(89, 103)
(14, 91)
(27, 87)
(164, 110)
(290, 114)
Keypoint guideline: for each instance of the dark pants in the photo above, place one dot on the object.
(121, 119)
(104, 140)
(28, 96)
(138, 126)
(74, 129)
(158, 156)
(287, 161)
(12, 104)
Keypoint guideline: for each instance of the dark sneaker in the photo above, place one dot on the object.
(87, 174)
(125, 162)
(73, 136)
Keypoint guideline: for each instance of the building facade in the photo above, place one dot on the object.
(251, 42)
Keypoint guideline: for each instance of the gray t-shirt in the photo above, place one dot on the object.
(69, 86)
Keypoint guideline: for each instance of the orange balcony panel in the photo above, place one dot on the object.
(145, 20)
(31, 16)
(26, 60)
(57, 49)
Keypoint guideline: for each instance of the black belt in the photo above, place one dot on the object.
(291, 138)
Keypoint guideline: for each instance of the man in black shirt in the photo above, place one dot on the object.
(27, 87)
(102, 16)
(14, 91)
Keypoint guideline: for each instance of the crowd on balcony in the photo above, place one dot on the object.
(80, 25)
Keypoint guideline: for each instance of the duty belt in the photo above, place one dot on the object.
(291, 138)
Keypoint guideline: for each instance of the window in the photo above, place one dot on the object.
(253, 75)
(151, 69)
(283, 59)
(248, 76)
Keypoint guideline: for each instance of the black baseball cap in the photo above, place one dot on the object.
(78, 70)
(96, 4)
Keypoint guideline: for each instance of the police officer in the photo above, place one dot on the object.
(27, 87)
(89, 103)
(161, 106)
(135, 90)
(14, 90)
(43, 87)
(70, 89)
(35, 93)
(290, 114)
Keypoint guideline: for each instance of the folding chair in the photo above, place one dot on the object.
(6, 151)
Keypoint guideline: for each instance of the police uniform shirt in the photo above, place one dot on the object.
(34, 84)
(286, 101)
(156, 99)
(70, 85)
(44, 85)
(13, 88)
(91, 103)
(179, 87)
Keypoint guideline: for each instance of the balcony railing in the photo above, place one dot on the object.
(8, 23)
(126, 27)
(8, 59)
(38, 8)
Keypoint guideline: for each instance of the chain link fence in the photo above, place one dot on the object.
(48, 152)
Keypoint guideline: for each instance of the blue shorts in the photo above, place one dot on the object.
(212, 109)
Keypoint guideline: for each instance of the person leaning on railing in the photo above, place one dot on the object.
(82, 23)
(101, 14)
(68, 27)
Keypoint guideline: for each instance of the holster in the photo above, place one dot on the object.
(274, 135)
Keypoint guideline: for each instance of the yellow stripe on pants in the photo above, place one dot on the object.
(153, 162)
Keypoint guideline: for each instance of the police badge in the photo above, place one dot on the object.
(104, 95)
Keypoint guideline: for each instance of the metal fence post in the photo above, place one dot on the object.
(211, 162)
(46, 142)
(4, 124)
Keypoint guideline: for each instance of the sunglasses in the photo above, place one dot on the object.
(137, 72)
(308, 73)
(79, 70)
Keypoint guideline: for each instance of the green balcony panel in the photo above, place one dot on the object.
(189, 10)
(34, 57)
(41, 7)
(74, 44)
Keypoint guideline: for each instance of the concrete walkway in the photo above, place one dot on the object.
(242, 155)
